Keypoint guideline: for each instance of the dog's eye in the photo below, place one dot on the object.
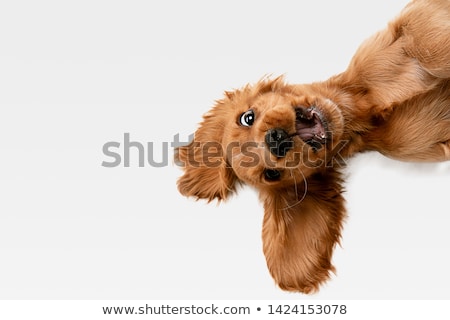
(272, 175)
(247, 118)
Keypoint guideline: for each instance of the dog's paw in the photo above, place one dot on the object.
(446, 147)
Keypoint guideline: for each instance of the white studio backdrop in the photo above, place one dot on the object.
(77, 75)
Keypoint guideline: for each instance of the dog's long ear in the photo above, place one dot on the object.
(301, 227)
(206, 172)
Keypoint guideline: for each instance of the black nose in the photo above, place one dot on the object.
(278, 142)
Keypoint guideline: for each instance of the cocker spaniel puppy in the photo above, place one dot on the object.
(289, 141)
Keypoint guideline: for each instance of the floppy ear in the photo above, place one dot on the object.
(301, 227)
(207, 174)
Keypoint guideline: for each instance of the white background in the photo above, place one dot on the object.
(75, 75)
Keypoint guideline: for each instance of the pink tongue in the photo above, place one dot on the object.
(308, 128)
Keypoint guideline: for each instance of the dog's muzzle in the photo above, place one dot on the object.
(279, 142)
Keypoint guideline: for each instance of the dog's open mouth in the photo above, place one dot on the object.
(311, 126)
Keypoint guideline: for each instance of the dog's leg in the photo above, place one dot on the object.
(417, 130)
(441, 151)
(446, 146)
(408, 58)
(437, 152)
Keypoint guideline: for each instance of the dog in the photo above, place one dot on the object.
(290, 141)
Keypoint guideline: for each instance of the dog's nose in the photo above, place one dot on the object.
(278, 142)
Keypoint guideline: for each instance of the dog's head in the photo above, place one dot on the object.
(267, 135)
(279, 139)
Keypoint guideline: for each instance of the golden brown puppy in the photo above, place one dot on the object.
(289, 141)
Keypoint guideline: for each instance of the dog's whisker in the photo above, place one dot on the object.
(289, 206)
(295, 184)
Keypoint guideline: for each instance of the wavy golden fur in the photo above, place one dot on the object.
(289, 141)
